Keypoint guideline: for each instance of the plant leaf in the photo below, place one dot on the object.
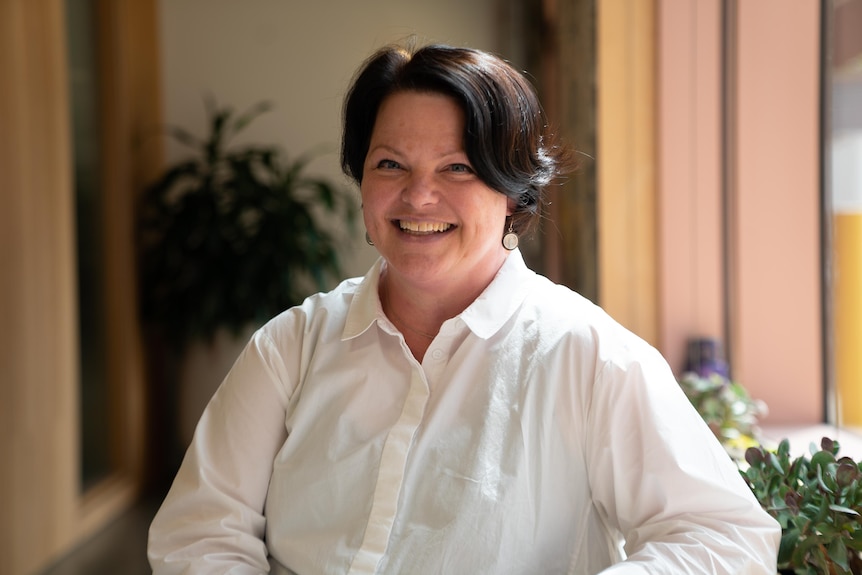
(776, 464)
(842, 509)
(789, 540)
(838, 553)
(249, 115)
(821, 482)
(185, 137)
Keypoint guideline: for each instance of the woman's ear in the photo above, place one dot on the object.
(510, 207)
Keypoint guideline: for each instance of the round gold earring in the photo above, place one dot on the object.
(510, 238)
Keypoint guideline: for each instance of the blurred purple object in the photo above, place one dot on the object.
(705, 357)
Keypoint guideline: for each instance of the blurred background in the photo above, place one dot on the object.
(718, 206)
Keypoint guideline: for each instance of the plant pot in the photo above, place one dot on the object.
(203, 368)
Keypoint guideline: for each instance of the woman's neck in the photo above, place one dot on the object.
(419, 313)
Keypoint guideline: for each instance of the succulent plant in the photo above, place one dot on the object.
(817, 501)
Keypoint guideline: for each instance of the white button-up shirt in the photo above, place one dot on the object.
(537, 436)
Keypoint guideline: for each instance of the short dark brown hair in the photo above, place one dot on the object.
(506, 137)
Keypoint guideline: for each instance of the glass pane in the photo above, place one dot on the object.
(83, 76)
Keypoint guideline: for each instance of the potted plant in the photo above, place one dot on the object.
(727, 409)
(817, 501)
(231, 237)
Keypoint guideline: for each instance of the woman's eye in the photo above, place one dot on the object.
(388, 164)
(461, 168)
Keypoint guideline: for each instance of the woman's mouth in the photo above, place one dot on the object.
(423, 228)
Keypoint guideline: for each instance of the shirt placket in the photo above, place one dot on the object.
(390, 476)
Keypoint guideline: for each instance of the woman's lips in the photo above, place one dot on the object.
(423, 228)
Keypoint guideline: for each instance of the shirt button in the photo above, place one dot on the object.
(437, 354)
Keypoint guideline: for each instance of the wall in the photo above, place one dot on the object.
(776, 255)
(691, 294)
(301, 56)
(752, 279)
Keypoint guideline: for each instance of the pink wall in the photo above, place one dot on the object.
(690, 245)
(777, 339)
(773, 236)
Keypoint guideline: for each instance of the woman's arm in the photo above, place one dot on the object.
(663, 480)
(212, 518)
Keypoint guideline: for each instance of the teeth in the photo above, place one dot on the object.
(423, 227)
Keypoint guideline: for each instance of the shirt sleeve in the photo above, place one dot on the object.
(661, 479)
(212, 518)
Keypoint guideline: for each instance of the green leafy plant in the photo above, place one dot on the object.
(727, 409)
(233, 236)
(817, 501)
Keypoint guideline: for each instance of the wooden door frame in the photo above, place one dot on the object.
(45, 512)
(597, 71)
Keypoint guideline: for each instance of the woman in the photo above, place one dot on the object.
(452, 411)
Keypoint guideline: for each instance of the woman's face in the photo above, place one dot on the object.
(428, 213)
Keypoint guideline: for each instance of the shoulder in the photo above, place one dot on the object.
(322, 310)
(577, 325)
(284, 346)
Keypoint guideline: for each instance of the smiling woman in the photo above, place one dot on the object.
(434, 221)
(452, 411)
(505, 134)
(449, 140)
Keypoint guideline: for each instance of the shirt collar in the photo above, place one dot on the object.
(494, 306)
(365, 307)
(484, 317)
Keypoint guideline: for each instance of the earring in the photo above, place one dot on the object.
(510, 239)
(368, 239)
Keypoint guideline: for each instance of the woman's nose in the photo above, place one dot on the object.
(419, 190)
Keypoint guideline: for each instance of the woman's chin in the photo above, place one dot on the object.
(419, 268)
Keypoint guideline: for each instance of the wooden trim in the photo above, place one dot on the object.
(38, 412)
(130, 112)
(566, 55)
(44, 513)
(627, 241)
